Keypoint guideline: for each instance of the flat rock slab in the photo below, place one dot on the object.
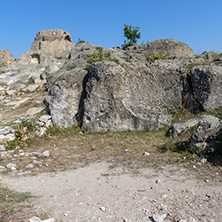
(33, 111)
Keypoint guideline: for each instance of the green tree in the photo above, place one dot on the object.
(132, 34)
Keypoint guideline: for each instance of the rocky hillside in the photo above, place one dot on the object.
(111, 89)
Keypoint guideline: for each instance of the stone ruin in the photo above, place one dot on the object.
(50, 36)
(48, 47)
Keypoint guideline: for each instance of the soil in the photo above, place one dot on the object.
(104, 192)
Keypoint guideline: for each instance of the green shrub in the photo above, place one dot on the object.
(107, 54)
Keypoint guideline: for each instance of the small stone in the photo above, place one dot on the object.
(164, 196)
(204, 160)
(11, 166)
(6, 130)
(208, 195)
(36, 154)
(159, 218)
(146, 154)
(46, 154)
(206, 181)
(10, 92)
(29, 166)
(36, 162)
(31, 88)
(157, 181)
(35, 219)
(182, 221)
(2, 169)
(194, 167)
(44, 118)
(103, 209)
(2, 148)
(192, 219)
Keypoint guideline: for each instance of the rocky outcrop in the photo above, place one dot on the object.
(117, 99)
(6, 58)
(144, 91)
(123, 89)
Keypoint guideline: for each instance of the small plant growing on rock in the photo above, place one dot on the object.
(154, 57)
(80, 41)
(70, 67)
(99, 57)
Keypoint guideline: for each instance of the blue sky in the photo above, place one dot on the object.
(101, 22)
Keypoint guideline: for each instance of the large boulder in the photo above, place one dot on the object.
(209, 127)
(136, 99)
(6, 58)
(172, 47)
(164, 47)
(64, 95)
(207, 86)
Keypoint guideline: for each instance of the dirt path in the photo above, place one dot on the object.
(99, 192)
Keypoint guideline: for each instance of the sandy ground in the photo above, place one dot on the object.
(101, 192)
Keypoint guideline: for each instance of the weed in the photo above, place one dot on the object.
(57, 130)
(107, 54)
(99, 57)
(11, 209)
(154, 57)
(117, 62)
(80, 41)
(23, 129)
(70, 67)
(87, 67)
(217, 112)
(174, 111)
